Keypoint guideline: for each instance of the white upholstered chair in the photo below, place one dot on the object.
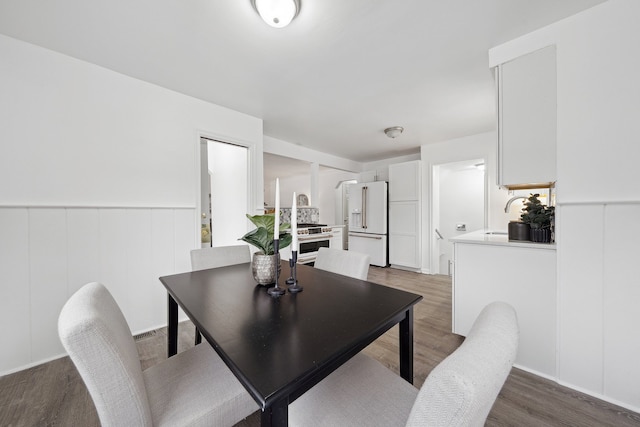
(460, 391)
(194, 388)
(347, 263)
(221, 256)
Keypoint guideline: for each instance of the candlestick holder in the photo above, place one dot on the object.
(295, 288)
(276, 291)
(290, 280)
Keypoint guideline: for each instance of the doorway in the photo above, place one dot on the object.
(224, 179)
(459, 207)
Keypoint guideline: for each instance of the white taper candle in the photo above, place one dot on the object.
(276, 226)
(294, 224)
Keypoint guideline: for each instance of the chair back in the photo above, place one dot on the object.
(347, 263)
(95, 333)
(221, 256)
(461, 390)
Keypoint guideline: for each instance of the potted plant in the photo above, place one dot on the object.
(265, 262)
(539, 217)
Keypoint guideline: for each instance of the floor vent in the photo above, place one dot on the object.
(144, 335)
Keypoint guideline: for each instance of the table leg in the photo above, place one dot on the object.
(277, 415)
(172, 327)
(406, 346)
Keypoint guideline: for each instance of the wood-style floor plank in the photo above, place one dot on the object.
(53, 394)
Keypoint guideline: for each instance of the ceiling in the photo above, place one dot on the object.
(331, 81)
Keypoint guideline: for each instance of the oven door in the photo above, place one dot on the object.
(308, 248)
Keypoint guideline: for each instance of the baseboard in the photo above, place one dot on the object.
(607, 399)
(401, 267)
(32, 364)
(591, 393)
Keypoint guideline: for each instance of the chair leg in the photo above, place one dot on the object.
(198, 337)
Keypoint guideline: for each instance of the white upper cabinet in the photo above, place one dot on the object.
(527, 110)
(404, 181)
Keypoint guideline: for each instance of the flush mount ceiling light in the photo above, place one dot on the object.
(277, 13)
(394, 131)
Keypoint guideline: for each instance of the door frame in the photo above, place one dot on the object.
(255, 196)
(434, 196)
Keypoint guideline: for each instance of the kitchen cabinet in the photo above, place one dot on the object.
(337, 236)
(527, 111)
(404, 181)
(523, 275)
(404, 215)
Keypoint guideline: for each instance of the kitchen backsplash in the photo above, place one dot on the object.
(306, 215)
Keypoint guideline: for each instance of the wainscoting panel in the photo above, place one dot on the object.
(83, 235)
(15, 318)
(621, 303)
(46, 254)
(580, 243)
(47, 278)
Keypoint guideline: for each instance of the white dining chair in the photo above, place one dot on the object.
(219, 256)
(460, 391)
(193, 388)
(347, 263)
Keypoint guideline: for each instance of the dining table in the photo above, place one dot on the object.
(280, 347)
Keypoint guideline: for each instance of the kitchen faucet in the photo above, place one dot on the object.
(511, 200)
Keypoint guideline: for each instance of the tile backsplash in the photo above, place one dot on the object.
(308, 215)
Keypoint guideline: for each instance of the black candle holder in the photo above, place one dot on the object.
(294, 288)
(276, 291)
(290, 280)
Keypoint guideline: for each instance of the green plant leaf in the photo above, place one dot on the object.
(262, 236)
(259, 239)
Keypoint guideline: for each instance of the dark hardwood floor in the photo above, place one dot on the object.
(53, 394)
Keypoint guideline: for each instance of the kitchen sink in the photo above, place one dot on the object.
(498, 233)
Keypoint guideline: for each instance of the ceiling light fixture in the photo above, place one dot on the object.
(394, 131)
(277, 13)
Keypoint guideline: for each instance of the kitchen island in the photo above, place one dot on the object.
(489, 267)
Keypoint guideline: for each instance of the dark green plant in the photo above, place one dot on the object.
(262, 236)
(536, 214)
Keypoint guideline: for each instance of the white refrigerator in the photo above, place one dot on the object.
(368, 229)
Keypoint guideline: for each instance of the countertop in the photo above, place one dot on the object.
(498, 238)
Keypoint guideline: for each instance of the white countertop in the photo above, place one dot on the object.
(499, 238)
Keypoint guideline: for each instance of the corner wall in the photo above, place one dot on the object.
(100, 182)
(598, 196)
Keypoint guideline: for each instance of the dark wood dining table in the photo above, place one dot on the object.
(279, 348)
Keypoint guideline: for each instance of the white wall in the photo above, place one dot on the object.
(598, 196)
(334, 170)
(327, 194)
(100, 181)
(327, 181)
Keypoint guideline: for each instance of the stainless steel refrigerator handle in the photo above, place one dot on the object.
(364, 236)
(439, 235)
(364, 207)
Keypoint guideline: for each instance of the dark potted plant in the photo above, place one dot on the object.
(539, 217)
(265, 263)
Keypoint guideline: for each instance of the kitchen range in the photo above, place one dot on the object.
(312, 237)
